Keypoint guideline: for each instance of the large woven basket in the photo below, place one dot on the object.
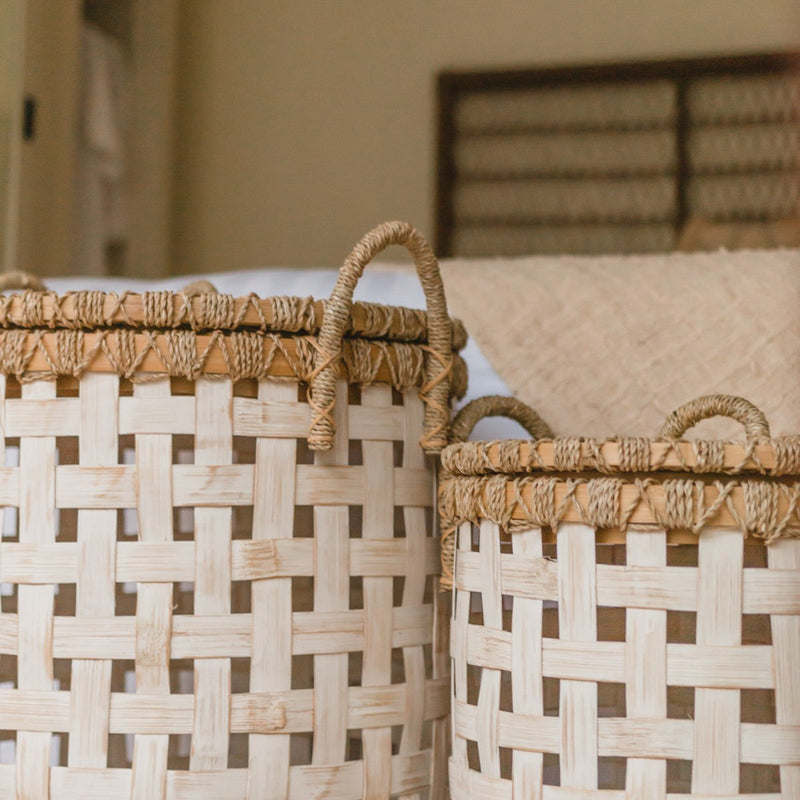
(196, 603)
(627, 614)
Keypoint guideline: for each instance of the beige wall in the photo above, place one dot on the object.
(301, 124)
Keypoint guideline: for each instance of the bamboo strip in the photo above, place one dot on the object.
(489, 692)
(408, 771)
(526, 670)
(154, 600)
(716, 760)
(199, 485)
(212, 590)
(785, 555)
(458, 650)
(577, 621)
(378, 523)
(773, 591)
(61, 416)
(37, 525)
(622, 737)
(441, 723)
(332, 593)
(273, 519)
(251, 560)
(95, 590)
(710, 666)
(417, 545)
(646, 668)
(193, 636)
(251, 712)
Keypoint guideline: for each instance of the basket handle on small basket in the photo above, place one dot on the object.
(439, 356)
(198, 287)
(19, 280)
(712, 405)
(498, 406)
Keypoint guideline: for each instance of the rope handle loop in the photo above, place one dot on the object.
(498, 406)
(712, 405)
(435, 392)
(198, 287)
(17, 280)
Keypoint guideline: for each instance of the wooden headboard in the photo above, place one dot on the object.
(614, 157)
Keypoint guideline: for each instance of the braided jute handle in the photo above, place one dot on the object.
(19, 280)
(498, 406)
(438, 358)
(712, 405)
(198, 287)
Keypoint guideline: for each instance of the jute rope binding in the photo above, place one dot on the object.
(483, 481)
(435, 393)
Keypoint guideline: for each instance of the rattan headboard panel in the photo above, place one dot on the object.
(614, 157)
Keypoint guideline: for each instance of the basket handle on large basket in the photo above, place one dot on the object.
(498, 406)
(439, 356)
(712, 405)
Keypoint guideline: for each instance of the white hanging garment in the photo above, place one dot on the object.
(102, 175)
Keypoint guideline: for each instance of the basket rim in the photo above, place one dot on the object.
(210, 311)
(624, 456)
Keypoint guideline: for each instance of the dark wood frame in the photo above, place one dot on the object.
(452, 84)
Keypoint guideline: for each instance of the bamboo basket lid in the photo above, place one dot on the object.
(208, 310)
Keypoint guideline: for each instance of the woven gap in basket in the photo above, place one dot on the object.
(758, 778)
(679, 776)
(611, 772)
(551, 769)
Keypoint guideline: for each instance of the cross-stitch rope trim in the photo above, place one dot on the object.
(763, 509)
(144, 355)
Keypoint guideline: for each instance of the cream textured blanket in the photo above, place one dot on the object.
(610, 345)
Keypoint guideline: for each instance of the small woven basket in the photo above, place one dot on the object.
(626, 614)
(218, 564)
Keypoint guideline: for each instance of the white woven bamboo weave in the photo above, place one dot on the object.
(195, 604)
(627, 615)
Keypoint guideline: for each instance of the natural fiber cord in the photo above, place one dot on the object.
(498, 406)
(725, 405)
(435, 392)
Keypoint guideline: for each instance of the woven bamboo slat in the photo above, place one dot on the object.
(194, 605)
(612, 654)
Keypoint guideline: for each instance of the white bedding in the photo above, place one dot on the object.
(382, 285)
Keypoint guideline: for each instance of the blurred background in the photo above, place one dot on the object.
(155, 137)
